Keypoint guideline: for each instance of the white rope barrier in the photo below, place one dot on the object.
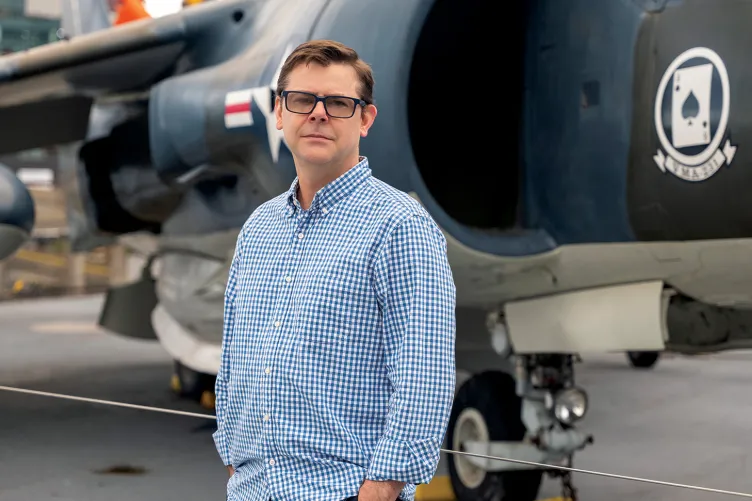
(107, 402)
(528, 463)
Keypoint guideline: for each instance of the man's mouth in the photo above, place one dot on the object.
(316, 136)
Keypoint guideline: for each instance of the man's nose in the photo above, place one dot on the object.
(319, 112)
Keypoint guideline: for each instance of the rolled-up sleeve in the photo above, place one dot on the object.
(223, 375)
(416, 293)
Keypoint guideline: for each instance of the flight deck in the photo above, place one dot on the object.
(685, 421)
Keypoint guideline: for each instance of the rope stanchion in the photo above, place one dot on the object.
(448, 451)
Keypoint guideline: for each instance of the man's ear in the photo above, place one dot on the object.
(367, 117)
(278, 111)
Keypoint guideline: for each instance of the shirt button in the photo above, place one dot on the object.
(266, 417)
(325, 210)
(277, 323)
(288, 279)
(271, 462)
(268, 370)
(300, 236)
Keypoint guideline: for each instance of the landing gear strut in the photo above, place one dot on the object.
(526, 415)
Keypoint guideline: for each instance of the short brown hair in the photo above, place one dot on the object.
(326, 52)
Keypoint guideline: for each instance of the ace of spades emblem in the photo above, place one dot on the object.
(691, 113)
(690, 107)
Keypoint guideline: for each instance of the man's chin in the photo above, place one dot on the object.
(316, 158)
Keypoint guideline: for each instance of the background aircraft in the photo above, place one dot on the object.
(584, 159)
(16, 213)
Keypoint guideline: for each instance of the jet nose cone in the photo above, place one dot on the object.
(16, 213)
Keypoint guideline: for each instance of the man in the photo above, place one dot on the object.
(337, 375)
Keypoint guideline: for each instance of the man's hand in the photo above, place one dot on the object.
(231, 470)
(380, 491)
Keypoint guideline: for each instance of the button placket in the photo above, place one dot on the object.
(282, 320)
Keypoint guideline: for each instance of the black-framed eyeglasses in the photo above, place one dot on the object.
(335, 106)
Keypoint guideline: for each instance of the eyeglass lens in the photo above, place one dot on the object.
(337, 107)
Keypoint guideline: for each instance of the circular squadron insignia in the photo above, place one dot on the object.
(691, 116)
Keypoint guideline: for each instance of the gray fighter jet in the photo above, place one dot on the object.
(17, 213)
(582, 159)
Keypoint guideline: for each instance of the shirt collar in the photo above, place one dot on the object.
(333, 193)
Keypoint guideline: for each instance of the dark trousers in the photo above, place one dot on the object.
(354, 498)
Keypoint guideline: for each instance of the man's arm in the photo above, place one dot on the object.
(223, 376)
(417, 295)
(380, 491)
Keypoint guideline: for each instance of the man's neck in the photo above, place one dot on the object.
(311, 178)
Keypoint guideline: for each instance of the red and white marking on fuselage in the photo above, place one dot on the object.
(238, 109)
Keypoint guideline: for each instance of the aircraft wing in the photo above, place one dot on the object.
(46, 92)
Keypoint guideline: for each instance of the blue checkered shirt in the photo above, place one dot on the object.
(338, 350)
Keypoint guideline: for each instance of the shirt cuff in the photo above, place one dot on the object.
(220, 441)
(413, 462)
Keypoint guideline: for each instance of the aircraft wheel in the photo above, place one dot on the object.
(487, 408)
(193, 385)
(643, 359)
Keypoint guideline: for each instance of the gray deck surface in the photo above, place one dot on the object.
(687, 421)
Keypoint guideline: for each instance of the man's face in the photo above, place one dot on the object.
(317, 138)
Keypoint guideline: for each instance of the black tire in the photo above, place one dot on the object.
(190, 384)
(643, 359)
(493, 396)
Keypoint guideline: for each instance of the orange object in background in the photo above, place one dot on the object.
(130, 10)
